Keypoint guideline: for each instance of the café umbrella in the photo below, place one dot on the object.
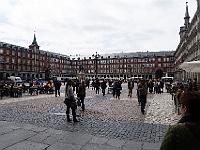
(192, 66)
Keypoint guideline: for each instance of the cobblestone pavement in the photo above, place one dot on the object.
(104, 115)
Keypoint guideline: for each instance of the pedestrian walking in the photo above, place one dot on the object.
(114, 88)
(77, 85)
(158, 87)
(185, 135)
(97, 85)
(103, 87)
(130, 87)
(150, 85)
(118, 89)
(137, 92)
(57, 85)
(142, 95)
(88, 83)
(93, 84)
(70, 101)
(81, 94)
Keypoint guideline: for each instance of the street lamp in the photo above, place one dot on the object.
(96, 56)
(3, 62)
(48, 73)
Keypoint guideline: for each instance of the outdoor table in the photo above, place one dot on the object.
(17, 91)
(34, 89)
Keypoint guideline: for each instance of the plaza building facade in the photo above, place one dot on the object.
(31, 63)
(189, 47)
(148, 65)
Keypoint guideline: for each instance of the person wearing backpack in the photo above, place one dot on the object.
(70, 101)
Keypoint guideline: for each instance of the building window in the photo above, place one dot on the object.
(1, 51)
(13, 60)
(13, 53)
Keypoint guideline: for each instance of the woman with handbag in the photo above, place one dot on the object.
(70, 101)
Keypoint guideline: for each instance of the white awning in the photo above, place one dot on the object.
(192, 66)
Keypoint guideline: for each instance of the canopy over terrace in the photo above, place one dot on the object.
(193, 66)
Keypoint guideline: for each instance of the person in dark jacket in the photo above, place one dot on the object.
(81, 94)
(57, 85)
(114, 88)
(130, 87)
(118, 87)
(97, 85)
(103, 87)
(185, 135)
(142, 95)
(70, 101)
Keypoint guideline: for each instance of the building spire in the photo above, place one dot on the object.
(187, 17)
(34, 43)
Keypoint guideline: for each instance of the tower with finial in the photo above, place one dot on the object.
(34, 45)
(183, 29)
(187, 17)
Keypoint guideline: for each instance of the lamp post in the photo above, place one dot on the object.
(96, 56)
(3, 62)
(48, 73)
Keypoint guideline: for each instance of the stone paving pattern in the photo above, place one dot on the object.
(105, 116)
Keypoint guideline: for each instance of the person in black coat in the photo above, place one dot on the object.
(130, 87)
(97, 85)
(103, 87)
(57, 85)
(118, 89)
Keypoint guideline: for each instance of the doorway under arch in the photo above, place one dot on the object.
(158, 74)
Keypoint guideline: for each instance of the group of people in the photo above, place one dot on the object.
(184, 135)
(42, 87)
(12, 89)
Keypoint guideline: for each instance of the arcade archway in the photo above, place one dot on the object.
(158, 73)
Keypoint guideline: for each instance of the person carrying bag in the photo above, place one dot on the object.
(70, 101)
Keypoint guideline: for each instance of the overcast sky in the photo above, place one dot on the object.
(85, 26)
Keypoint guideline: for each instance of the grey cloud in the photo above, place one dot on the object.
(155, 31)
(163, 4)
